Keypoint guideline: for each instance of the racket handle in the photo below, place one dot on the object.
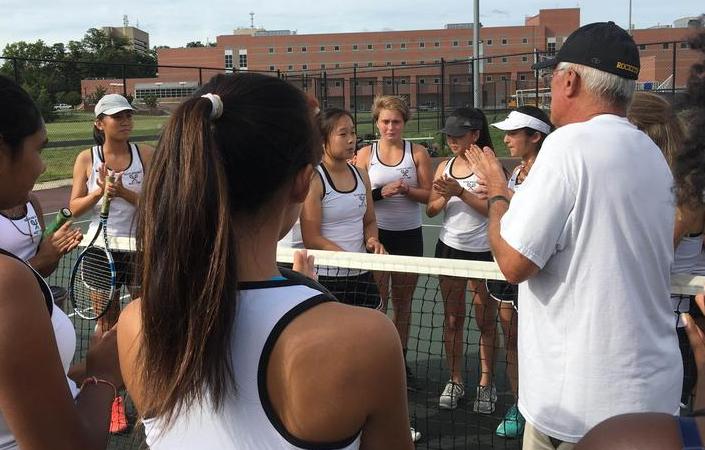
(109, 180)
(62, 216)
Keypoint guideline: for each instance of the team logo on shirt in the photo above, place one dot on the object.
(404, 172)
(132, 178)
(33, 224)
(363, 200)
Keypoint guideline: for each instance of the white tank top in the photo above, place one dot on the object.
(293, 238)
(21, 236)
(686, 260)
(342, 215)
(513, 183)
(122, 212)
(396, 213)
(247, 419)
(463, 228)
(65, 336)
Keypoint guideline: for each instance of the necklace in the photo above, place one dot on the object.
(24, 218)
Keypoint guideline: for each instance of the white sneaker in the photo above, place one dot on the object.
(415, 435)
(485, 399)
(451, 394)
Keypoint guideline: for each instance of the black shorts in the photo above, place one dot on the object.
(124, 268)
(356, 290)
(503, 292)
(444, 251)
(405, 242)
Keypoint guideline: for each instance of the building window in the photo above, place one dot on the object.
(370, 83)
(305, 67)
(684, 45)
(403, 81)
(437, 44)
(489, 41)
(642, 47)
(369, 64)
(323, 48)
(337, 84)
(303, 49)
(436, 61)
(389, 63)
(337, 66)
(389, 82)
(243, 61)
(524, 40)
(524, 58)
(505, 59)
(469, 43)
(488, 78)
(289, 50)
(387, 45)
(422, 62)
(271, 49)
(336, 48)
(455, 43)
(522, 77)
(489, 60)
(503, 78)
(228, 60)
(504, 41)
(291, 67)
(422, 45)
(323, 66)
(354, 47)
(370, 47)
(665, 46)
(403, 63)
(551, 47)
(422, 81)
(354, 64)
(436, 81)
(402, 45)
(271, 68)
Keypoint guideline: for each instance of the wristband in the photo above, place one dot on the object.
(94, 380)
(497, 198)
(377, 194)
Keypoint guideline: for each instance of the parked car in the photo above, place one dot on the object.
(62, 107)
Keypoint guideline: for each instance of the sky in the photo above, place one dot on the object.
(176, 22)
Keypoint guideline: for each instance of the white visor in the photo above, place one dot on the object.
(517, 120)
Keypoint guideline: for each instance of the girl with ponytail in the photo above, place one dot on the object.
(224, 349)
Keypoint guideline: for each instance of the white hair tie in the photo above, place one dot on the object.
(217, 105)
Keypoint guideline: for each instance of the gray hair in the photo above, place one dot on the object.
(608, 88)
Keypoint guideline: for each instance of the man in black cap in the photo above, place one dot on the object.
(589, 237)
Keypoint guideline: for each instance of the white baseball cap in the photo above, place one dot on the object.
(112, 104)
(517, 120)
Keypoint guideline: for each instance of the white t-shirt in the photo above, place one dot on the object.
(596, 331)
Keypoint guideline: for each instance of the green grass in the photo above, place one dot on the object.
(80, 126)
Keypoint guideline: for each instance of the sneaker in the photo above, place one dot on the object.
(118, 420)
(452, 393)
(512, 427)
(415, 435)
(485, 399)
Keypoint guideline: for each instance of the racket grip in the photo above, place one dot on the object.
(62, 216)
(109, 179)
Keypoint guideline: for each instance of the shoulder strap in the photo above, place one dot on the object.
(48, 298)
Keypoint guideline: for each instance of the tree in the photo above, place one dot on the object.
(72, 98)
(151, 100)
(194, 44)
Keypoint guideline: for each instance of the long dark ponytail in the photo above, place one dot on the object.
(204, 171)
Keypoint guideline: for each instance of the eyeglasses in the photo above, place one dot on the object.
(548, 73)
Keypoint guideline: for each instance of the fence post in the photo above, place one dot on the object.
(325, 90)
(200, 76)
(16, 70)
(394, 83)
(673, 85)
(354, 91)
(124, 80)
(536, 77)
(443, 91)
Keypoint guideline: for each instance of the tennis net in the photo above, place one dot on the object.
(441, 319)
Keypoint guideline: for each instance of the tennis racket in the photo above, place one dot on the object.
(93, 278)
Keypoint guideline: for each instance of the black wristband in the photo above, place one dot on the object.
(377, 194)
(496, 198)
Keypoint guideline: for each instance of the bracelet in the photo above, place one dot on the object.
(94, 380)
(377, 194)
(497, 198)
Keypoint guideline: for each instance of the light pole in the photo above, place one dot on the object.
(477, 98)
(629, 25)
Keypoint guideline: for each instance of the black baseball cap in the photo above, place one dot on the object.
(601, 45)
(457, 126)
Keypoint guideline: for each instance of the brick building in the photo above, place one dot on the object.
(430, 67)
